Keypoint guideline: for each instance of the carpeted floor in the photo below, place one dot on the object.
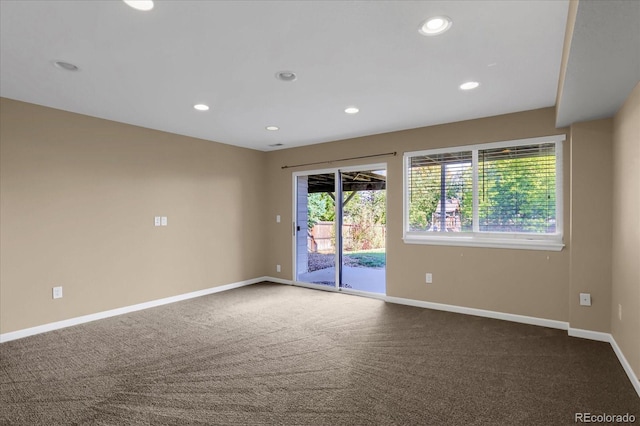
(275, 354)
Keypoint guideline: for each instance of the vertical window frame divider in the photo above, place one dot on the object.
(559, 188)
(475, 191)
(406, 183)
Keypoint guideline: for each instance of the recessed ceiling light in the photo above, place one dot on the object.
(286, 76)
(201, 107)
(65, 66)
(272, 128)
(469, 85)
(140, 4)
(351, 110)
(435, 25)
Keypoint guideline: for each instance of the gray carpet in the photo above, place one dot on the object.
(274, 354)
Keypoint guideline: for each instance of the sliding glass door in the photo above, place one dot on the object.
(340, 228)
(363, 236)
(315, 229)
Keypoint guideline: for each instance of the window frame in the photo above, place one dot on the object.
(477, 238)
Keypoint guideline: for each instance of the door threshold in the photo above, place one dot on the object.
(340, 290)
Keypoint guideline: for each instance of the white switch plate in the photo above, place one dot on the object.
(278, 268)
(156, 221)
(278, 218)
(619, 312)
(585, 299)
(429, 278)
(163, 221)
(57, 292)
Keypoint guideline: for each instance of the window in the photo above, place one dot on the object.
(503, 194)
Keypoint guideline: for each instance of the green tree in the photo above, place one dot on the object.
(320, 207)
(426, 191)
(424, 197)
(366, 213)
(517, 195)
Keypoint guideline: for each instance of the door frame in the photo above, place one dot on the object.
(337, 171)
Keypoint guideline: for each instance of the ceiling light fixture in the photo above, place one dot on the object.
(273, 145)
(469, 85)
(286, 76)
(351, 110)
(201, 107)
(435, 25)
(143, 5)
(65, 66)
(272, 128)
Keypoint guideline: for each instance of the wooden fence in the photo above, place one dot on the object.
(322, 239)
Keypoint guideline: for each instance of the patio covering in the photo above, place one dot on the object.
(351, 181)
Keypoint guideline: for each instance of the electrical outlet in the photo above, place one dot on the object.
(429, 278)
(278, 268)
(585, 299)
(163, 221)
(620, 312)
(57, 292)
(156, 221)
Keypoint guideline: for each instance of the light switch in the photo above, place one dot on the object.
(278, 218)
(156, 221)
(163, 221)
(57, 292)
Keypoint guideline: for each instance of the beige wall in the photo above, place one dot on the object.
(525, 282)
(78, 198)
(626, 229)
(590, 226)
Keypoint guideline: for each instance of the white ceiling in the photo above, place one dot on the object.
(150, 68)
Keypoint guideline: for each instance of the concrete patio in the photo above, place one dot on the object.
(355, 278)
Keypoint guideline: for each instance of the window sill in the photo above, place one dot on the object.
(506, 243)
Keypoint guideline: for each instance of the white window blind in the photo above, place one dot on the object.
(503, 194)
(438, 177)
(517, 189)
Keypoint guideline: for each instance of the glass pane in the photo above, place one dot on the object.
(441, 193)
(315, 230)
(364, 230)
(517, 189)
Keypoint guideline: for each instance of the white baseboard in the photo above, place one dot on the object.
(481, 313)
(561, 325)
(575, 332)
(6, 337)
(625, 364)
(278, 280)
(588, 334)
